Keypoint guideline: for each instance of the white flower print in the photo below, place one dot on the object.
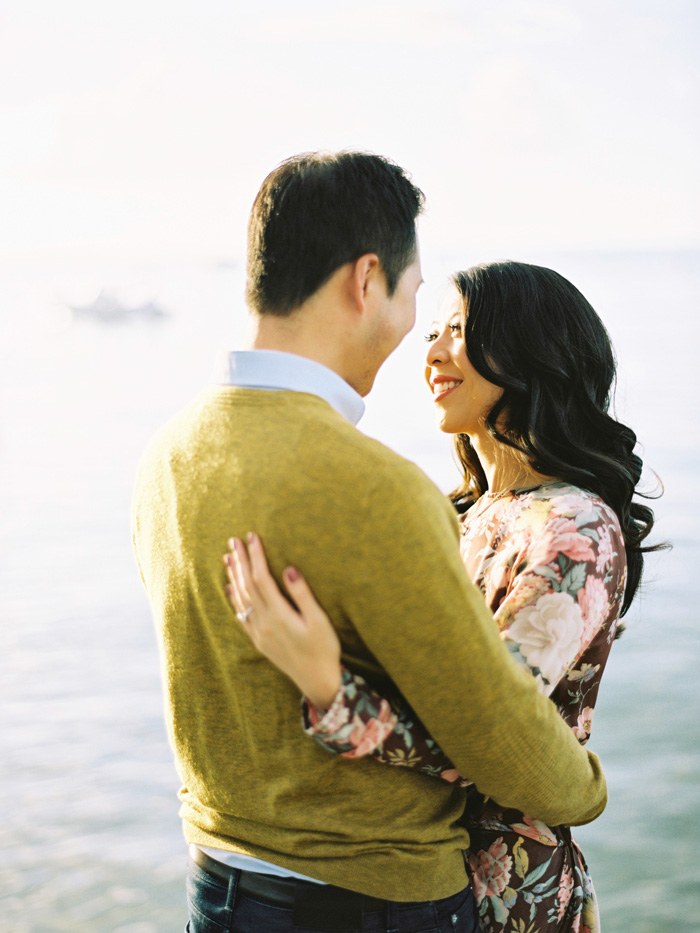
(570, 504)
(548, 634)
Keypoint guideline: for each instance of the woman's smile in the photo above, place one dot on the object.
(448, 369)
(442, 386)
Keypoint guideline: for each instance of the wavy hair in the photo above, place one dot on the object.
(531, 332)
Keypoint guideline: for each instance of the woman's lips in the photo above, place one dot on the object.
(443, 387)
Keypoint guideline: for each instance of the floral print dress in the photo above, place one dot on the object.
(550, 562)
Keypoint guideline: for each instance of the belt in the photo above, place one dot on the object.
(292, 893)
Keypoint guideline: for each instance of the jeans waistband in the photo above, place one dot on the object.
(285, 892)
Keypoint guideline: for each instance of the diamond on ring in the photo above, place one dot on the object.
(245, 615)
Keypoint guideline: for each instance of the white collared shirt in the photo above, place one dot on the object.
(274, 370)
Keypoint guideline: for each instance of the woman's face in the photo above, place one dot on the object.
(461, 395)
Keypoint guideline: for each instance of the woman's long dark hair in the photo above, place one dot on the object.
(530, 331)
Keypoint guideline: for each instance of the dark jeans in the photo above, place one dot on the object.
(214, 908)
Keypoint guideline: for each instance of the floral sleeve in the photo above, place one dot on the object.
(551, 566)
(361, 722)
(566, 585)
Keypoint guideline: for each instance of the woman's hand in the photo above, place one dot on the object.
(297, 636)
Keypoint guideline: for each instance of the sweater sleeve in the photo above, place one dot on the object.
(566, 588)
(429, 629)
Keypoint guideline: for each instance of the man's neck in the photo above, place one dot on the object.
(303, 338)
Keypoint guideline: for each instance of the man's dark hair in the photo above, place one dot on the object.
(317, 211)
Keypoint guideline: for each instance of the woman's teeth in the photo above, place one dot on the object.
(440, 387)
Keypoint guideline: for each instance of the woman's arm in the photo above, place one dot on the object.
(567, 588)
(568, 585)
(340, 710)
(362, 722)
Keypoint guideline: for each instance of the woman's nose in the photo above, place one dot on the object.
(437, 351)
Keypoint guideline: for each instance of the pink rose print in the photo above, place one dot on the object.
(386, 713)
(564, 538)
(605, 549)
(593, 600)
(582, 729)
(570, 504)
(491, 869)
(566, 889)
(369, 736)
(450, 775)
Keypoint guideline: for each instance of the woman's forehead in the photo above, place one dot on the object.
(451, 307)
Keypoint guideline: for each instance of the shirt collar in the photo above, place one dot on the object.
(275, 370)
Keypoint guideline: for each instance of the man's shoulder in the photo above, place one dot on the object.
(168, 438)
(347, 448)
(296, 432)
(321, 435)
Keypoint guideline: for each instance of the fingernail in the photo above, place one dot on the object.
(292, 574)
(251, 537)
(231, 543)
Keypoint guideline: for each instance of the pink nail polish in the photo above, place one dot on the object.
(292, 574)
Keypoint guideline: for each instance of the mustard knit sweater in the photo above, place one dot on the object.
(379, 545)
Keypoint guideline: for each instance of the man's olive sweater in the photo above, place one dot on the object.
(379, 545)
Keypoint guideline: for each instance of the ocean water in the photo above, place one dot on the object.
(90, 839)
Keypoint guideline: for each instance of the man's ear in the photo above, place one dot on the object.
(364, 276)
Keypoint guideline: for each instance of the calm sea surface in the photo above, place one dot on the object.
(90, 838)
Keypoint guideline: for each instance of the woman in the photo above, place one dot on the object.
(521, 373)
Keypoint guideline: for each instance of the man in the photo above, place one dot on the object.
(282, 835)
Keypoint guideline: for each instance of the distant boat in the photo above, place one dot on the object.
(228, 264)
(109, 309)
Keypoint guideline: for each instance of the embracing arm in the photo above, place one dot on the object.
(437, 640)
(566, 592)
(340, 710)
(428, 626)
(360, 722)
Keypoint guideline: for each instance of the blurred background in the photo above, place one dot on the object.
(133, 139)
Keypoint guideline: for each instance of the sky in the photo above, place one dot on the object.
(142, 129)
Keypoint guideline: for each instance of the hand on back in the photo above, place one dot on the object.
(293, 633)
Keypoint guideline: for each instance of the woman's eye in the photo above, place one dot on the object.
(430, 336)
(456, 329)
